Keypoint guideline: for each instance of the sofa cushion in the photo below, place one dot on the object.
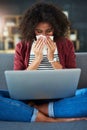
(81, 59)
(6, 63)
(75, 125)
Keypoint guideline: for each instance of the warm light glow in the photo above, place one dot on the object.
(5, 32)
(73, 37)
(0, 26)
(9, 24)
(66, 13)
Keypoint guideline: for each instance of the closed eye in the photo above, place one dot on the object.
(38, 31)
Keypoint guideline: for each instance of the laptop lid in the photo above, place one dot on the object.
(42, 84)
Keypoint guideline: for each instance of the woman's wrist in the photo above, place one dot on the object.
(38, 59)
(50, 58)
(34, 65)
(56, 65)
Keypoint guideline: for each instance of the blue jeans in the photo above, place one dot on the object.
(14, 110)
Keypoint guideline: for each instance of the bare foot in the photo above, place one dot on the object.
(42, 118)
(43, 108)
(69, 119)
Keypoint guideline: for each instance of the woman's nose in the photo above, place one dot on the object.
(44, 34)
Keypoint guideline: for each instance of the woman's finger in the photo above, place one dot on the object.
(50, 45)
(38, 42)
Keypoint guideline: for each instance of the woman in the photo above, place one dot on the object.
(47, 20)
(45, 46)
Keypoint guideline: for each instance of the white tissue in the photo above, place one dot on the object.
(45, 47)
(38, 36)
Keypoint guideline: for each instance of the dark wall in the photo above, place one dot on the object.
(77, 14)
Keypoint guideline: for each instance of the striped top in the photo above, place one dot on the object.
(45, 64)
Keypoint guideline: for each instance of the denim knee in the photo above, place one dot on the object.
(82, 91)
(71, 107)
(13, 110)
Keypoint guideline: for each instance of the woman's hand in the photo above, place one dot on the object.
(50, 53)
(51, 48)
(38, 49)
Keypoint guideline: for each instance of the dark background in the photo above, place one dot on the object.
(77, 14)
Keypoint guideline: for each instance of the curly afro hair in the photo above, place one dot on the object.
(43, 12)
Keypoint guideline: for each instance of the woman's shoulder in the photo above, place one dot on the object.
(65, 42)
(68, 41)
(65, 45)
(22, 45)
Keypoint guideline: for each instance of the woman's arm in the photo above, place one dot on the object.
(50, 54)
(34, 65)
(19, 57)
(70, 55)
(56, 65)
(37, 49)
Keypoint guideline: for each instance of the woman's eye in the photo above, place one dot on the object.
(38, 31)
(48, 31)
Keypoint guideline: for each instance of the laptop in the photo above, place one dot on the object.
(42, 84)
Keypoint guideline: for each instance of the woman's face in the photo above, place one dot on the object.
(44, 29)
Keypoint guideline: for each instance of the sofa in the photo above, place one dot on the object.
(6, 63)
